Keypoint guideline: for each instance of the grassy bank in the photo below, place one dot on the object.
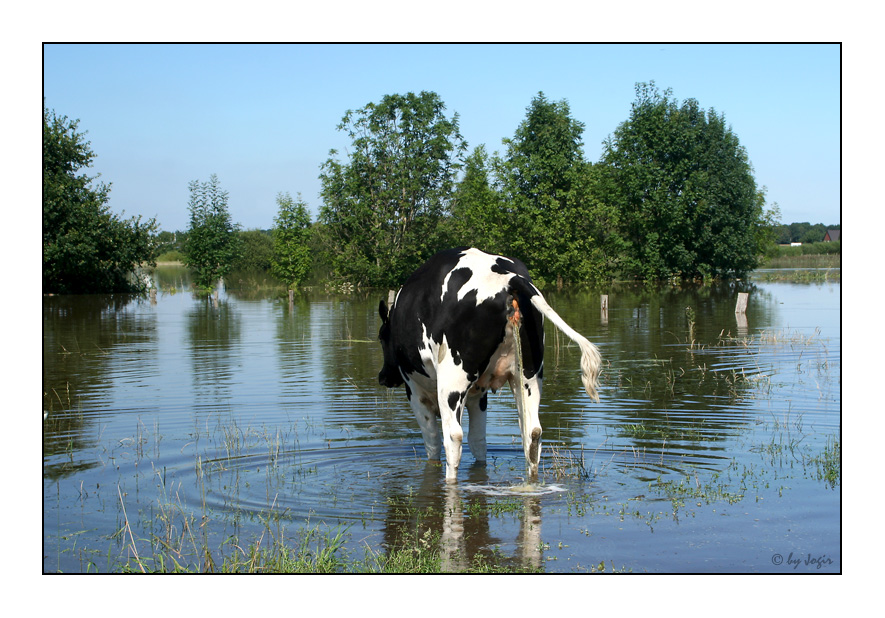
(816, 255)
(803, 261)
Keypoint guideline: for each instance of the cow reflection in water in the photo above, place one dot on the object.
(456, 521)
(450, 337)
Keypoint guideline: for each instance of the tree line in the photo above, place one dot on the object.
(672, 196)
(803, 232)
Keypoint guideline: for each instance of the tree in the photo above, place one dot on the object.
(769, 229)
(291, 236)
(382, 208)
(554, 223)
(86, 248)
(213, 242)
(478, 207)
(814, 233)
(685, 190)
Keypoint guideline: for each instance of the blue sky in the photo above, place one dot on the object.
(264, 117)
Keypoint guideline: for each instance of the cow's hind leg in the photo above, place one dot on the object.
(476, 425)
(426, 412)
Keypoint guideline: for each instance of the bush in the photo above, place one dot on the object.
(256, 251)
(827, 248)
(171, 256)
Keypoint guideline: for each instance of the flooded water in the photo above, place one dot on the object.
(188, 427)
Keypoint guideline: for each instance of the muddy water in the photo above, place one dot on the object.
(188, 425)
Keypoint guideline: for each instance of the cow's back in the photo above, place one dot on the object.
(463, 297)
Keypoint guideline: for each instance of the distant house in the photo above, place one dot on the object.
(833, 235)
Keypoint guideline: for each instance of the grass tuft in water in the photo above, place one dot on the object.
(828, 464)
(564, 464)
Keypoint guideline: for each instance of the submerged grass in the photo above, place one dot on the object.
(828, 464)
(168, 536)
(316, 549)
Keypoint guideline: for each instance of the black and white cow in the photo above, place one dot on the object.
(448, 337)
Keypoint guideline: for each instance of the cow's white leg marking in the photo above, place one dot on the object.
(529, 423)
(452, 387)
(476, 427)
(453, 435)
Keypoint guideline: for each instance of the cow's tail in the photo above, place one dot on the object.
(590, 358)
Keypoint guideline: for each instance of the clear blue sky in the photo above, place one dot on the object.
(264, 117)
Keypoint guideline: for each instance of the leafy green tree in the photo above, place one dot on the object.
(382, 208)
(478, 207)
(685, 190)
(797, 229)
(86, 248)
(213, 243)
(781, 234)
(814, 233)
(769, 229)
(806, 232)
(291, 259)
(553, 221)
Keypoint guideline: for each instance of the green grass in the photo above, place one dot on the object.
(820, 274)
(314, 550)
(828, 464)
(803, 260)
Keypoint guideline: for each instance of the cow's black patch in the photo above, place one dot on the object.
(454, 399)
(503, 266)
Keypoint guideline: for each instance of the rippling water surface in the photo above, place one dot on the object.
(715, 446)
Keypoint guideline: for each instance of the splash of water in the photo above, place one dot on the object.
(522, 489)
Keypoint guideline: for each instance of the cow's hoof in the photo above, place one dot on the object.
(535, 445)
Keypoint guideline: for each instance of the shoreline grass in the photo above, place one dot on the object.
(819, 260)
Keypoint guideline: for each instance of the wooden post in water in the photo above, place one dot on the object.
(153, 296)
(291, 300)
(740, 313)
(604, 309)
(391, 296)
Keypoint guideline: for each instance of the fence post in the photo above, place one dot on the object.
(740, 313)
